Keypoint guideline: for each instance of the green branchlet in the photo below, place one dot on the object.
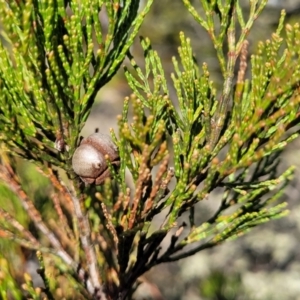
(56, 56)
(268, 106)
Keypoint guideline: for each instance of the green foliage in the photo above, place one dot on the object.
(8, 286)
(56, 55)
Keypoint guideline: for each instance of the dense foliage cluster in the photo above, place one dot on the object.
(98, 240)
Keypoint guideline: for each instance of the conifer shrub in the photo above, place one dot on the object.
(92, 233)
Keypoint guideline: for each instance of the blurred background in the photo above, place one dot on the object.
(263, 265)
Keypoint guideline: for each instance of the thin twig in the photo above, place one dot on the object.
(144, 176)
(60, 186)
(109, 224)
(20, 228)
(62, 217)
(156, 187)
(243, 62)
(85, 238)
(219, 117)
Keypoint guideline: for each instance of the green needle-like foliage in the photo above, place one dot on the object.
(56, 55)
